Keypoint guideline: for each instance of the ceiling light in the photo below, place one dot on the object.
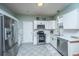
(40, 3)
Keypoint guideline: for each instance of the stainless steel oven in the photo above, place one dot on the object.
(41, 37)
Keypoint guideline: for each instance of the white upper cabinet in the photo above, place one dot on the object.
(35, 25)
(48, 24)
(51, 24)
(71, 20)
(38, 23)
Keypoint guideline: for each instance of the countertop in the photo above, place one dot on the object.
(69, 38)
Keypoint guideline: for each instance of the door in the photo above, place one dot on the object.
(27, 32)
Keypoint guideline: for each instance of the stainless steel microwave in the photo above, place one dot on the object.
(40, 26)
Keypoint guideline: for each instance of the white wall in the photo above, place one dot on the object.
(71, 32)
(20, 32)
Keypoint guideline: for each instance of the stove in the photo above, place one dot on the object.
(41, 36)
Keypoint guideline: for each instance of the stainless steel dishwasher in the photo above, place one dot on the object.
(62, 46)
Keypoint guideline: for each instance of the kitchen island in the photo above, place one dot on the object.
(69, 44)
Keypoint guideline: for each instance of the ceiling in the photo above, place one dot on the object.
(48, 9)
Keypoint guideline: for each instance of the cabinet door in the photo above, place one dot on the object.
(39, 23)
(54, 42)
(47, 36)
(43, 22)
(70, 20)
(51, 25)
(46, 24)
(35, 24)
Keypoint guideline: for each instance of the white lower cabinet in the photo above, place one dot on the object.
(47, 36)
(73, 49)
(53, 42)
(68, 47)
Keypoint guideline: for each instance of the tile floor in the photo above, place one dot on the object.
(37, 50)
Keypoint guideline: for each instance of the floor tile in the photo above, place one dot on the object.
(37, 50)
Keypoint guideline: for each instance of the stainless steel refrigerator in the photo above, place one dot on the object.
(8, 42)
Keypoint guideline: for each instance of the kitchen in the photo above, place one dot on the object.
(55, 29)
